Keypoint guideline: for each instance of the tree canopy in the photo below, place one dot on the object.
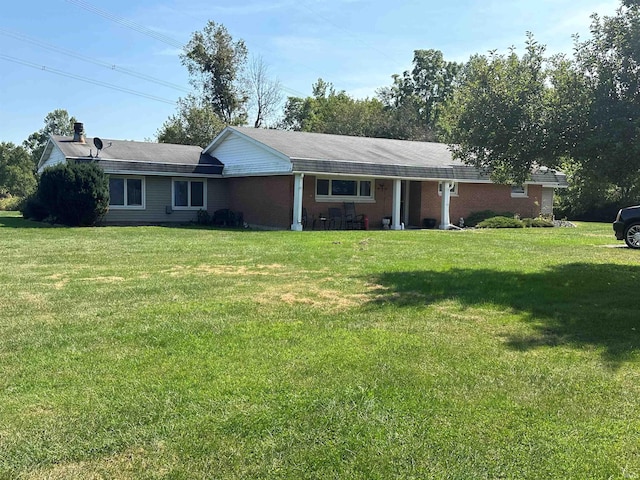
(418, 98)
(16, 171)
(215, 63)
(57, 122)
(499, 121)
(609, 65)
(330, 111)
(194, 123)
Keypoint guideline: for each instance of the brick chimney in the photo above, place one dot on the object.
(78, 133)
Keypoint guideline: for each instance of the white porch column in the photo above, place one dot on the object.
(445, 221)
(405, 214)
(298, 185)
(395, 216)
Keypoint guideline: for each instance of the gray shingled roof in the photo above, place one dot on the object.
(122, 155)
(342, 154)
(379, 151)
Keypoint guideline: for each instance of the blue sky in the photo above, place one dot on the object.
(355, 44)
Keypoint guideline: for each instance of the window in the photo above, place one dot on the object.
(453, 188)
(337, 189)
(189, 194)
(126, 192)
(519, 191)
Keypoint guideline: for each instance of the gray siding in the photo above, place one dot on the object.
(158, 197)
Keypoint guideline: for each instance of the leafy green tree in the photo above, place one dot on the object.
(194, 124)
(596, 106)
(57, 122)
(418, 98)
(499, 120)
(215, 63)
(609, 63)
(16, 171)
(329, 111)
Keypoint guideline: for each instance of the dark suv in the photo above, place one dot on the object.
(627, 226)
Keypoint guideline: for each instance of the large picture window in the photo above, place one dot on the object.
(189, 193)
(126, 192)
(337, 189)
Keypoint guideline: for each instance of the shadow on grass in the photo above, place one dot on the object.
(578, 304)
(19, 222)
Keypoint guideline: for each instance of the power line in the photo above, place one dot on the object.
(347, 31)
(85, 79)
(84, 58)
(128, 23)
(145, 31)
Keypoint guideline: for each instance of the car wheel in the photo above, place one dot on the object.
(632, 235)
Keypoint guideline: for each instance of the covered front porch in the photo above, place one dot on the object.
(393, 203)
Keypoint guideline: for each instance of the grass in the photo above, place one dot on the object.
(180, 353)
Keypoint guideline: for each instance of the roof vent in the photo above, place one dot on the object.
(78, 133)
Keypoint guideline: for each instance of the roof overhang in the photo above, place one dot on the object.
(456, 173)
(153, 168)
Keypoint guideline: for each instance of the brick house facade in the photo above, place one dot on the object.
(282, 179)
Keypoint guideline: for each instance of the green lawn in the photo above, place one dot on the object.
(183, 353)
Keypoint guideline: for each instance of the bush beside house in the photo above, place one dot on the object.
(73, 194)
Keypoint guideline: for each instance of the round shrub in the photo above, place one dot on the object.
(33, 209)
(75, 194)
(474, 218)
(501, 222)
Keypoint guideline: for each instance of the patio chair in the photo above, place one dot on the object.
(352, 220)
(335, 218)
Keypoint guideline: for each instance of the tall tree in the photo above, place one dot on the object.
(194, 123)
(16, 171)
(499, 119)
(265, 94)
(418, 98)
(215, 63)
(330, 111)
(609, 63)
(57, 122)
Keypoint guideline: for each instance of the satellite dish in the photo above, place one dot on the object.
(98, 143)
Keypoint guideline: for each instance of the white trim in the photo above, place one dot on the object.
(143, 193)
(189, 181)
